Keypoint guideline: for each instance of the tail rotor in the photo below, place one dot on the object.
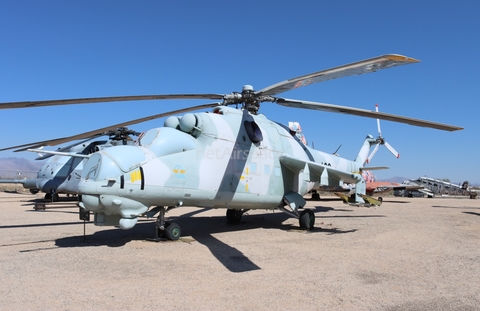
(381, 141)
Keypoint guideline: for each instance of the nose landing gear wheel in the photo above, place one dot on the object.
(164, 229)
(173, 231)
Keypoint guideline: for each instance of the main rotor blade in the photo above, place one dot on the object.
(378, 122)
(101, 131)
(357, 68)
(93, 100)
(364, 113)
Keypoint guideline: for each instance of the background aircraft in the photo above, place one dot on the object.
(382, 187)
(432, 187)
(61, 173)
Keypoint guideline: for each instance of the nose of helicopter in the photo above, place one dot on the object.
(99, 188)
(105, 167)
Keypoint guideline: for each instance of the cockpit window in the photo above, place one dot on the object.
(149, 137)
(165, 140)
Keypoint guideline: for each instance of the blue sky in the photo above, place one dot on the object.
(68, 49)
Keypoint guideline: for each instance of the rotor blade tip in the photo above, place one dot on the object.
(402, 58)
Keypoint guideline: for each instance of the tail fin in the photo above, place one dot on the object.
(362, 156)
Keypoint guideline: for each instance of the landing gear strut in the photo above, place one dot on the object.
(52, 196)
(294, 202)
(164, 229)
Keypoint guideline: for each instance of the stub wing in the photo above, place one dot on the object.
(316, 172)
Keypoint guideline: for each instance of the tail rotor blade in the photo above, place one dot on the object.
(381, 141)
(373, 153)
(392, 150)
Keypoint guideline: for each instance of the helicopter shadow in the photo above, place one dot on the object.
(399, 202)
(203, 230)
(472, 213)
(110, 237)
(199, 228)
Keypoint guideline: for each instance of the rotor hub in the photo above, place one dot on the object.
(250, 100)
(121, 133)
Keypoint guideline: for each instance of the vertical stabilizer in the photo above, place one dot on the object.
(364, 151)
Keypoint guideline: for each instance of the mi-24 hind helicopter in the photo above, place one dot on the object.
(229, 158)
(61, 174)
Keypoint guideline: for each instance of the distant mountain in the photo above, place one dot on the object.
(19, 164)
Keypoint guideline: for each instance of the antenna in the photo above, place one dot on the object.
(335, 153)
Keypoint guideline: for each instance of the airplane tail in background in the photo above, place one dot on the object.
(368, 176)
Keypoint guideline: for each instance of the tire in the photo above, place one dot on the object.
(173, 232)
(234, 215)
(307, 219)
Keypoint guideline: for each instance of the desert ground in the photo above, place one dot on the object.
(407, 254)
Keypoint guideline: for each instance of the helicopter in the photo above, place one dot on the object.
(61, 173)
(230, 158)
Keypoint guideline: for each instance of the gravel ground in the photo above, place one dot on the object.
(408, 254)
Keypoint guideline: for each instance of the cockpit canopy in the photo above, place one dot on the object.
(164, 141)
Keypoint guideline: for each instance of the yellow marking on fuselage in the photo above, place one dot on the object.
(135, 175)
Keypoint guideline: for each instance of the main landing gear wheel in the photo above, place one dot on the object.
(307, 219)
(52, 197)
(315, 195)
(234, 215)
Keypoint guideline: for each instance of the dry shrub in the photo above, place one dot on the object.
(12, 188)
